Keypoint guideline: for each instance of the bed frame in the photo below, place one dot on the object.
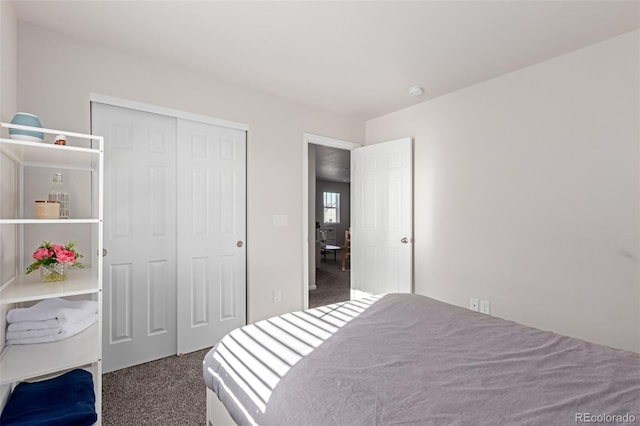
(217, 415)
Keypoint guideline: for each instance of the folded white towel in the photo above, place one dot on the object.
(35, 325)
(11, 335)
(64, 310)
(66, 331)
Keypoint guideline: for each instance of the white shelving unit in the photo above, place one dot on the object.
(84, 350)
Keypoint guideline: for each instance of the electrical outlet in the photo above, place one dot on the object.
(485, 307)
(473, 304)
(277, 296)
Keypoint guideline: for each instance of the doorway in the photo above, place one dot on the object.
(309, 250)
(332, 220)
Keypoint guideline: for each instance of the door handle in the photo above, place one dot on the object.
(104, 252)
(404, 240)
(239, 243)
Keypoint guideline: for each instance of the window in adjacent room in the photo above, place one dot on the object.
(331, 207)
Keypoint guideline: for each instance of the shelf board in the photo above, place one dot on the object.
(27, 288)
(20, 362)
(43, 221)
(43, 153)
(51, 131)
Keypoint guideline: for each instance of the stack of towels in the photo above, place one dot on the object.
(64, 400)
(50, 320)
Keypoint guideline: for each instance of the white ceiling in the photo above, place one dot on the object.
(333, 164)
(355, 58)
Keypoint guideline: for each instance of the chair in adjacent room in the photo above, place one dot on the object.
(346, 251)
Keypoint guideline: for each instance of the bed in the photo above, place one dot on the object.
(408, 359)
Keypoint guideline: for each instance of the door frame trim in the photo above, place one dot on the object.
(308, 138)
(154, 109)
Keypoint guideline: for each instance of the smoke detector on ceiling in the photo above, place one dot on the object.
(415, 91)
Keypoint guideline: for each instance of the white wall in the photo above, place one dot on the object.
(8, 172)
(58, 73)
(527, 187)
(8, 61)
(527, 193)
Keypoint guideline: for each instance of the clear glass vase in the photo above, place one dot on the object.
(52, 273)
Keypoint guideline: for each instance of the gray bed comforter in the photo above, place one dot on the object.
(411, 360)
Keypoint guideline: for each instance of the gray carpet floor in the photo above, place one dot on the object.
(332, 284)
(171, 391)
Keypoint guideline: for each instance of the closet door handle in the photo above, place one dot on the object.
(239, 243)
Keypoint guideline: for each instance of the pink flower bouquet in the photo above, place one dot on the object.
(48, 254)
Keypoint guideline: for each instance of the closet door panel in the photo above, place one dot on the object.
(228, 303)
(140, 232)
(119, 307)
(199, 307)
(211, 191)
(158, 284)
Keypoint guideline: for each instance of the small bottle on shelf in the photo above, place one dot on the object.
(57, 193)
(61, 140)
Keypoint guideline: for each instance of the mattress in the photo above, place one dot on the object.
(409, 359)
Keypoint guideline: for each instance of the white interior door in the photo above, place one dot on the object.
(211, 233)
(382, 218)
(139, 235)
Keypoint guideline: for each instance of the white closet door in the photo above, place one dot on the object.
(211, 233)
(140, 235)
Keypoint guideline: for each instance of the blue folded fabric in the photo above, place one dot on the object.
(64, 400)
